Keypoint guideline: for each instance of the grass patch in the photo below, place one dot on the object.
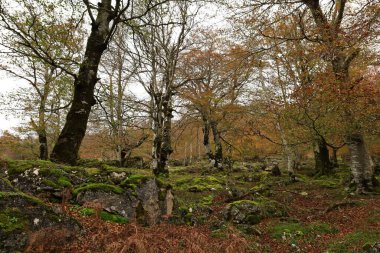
(354, 242)
(294, 231)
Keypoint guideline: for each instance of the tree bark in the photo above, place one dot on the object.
(42, 139)
(321, 157)
(206, 139)
(166, 149)
(334, 158)
(67, 147)
(218, 156)
(361, 163)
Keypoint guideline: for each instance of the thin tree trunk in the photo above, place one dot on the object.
(67, 147)
(289, 152)
(218, 156)
(361, 162)
(321, 157)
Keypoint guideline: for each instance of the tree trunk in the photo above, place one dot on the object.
(67, 147)
(334, 158)
(206, 139)
(361, 163)
(289, 152)
(166, 149)
(321, 156)
(218, 156)
(42, 139)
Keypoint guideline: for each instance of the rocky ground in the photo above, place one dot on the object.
(94, 207)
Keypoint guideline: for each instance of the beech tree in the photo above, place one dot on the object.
(105, 17)
(47, 88)
(339, 30)
(217, 76)
(116, 105)
(157, 48)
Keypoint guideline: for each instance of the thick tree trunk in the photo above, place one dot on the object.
(42, 139)
(361, 163)
(67, 147)
(218, 156)
(321, 157)
(166, 148)
(206, 139)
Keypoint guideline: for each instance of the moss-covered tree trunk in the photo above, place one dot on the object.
(206, 138)
(218, 156)
(67, 146)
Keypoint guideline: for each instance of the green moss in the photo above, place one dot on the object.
(50, 183)
(92, 171)
(207, 200)
(354, 242)
(219, 233)
(113, 217)
(294, 231)
(199, 184)
(133, 181)
(12, 220)
(51, 172)
(64, 182)
(20, 166)
(99, 186)
(332, 181)
(87, 211)
(33, 200)
(244, 201)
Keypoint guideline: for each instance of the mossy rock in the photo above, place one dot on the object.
(133, 181)
(21, 215)
(12, 220)
(253, 211)
(98, 186)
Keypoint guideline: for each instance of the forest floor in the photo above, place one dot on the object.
(323, 216)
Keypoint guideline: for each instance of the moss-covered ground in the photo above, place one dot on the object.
(323, 214)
